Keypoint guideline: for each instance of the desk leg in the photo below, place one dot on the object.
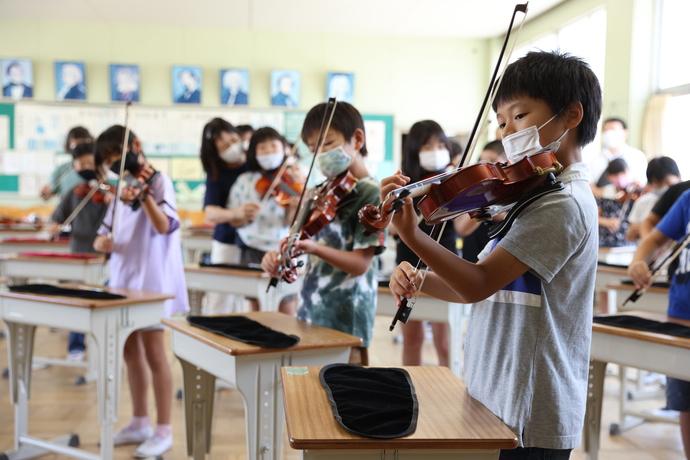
(456, 323)
(199, 387)
(195, 301)
(595, 399)
(258, 379)
(110, 329)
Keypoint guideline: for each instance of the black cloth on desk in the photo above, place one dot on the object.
(245, 330)
(49, 289)
(642, 324)
(250, 267)
(372, 402)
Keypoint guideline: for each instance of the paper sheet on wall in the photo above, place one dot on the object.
(4, 133)
(11, 163)
(186, 169)
(28, 185)
(376, 140)
(160, 164)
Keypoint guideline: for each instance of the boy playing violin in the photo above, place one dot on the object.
(340, 285)
(528, 339)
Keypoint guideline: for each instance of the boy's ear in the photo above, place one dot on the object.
(572, 115)
(358, 138)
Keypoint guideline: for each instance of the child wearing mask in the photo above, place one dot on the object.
(223, 161)
(425, 154)
(340, 285)
(146, 254)
(269, 221)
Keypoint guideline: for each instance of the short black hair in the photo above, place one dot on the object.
(259, 136)
(78, 132)
(109, 143)
(661, 167)
(420, 133)
(245, 129)
(616, 119)
(559, 79)
(346, 121)
(210, 159)
(496, 146)
(616, 166)
(85, 148)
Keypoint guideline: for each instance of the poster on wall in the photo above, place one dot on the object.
(186, 84)
(340, 86)
(70, 81)
(285, 88)
(124, 83)
(17, 78)
(234, 87)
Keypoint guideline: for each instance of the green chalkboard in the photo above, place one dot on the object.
(8, 110)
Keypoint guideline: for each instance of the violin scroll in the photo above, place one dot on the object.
(375, 219)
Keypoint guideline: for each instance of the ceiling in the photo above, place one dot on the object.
(429, 18)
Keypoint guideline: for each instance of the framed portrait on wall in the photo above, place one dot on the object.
(285, 88)
(70, 81)
(17, 78)
(124, 82)
(186, 84)
(340, 86)
(234, 87)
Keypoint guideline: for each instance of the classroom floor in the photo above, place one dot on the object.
(59, 407)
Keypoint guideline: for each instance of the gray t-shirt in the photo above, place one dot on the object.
(527, 346)
(85, 224)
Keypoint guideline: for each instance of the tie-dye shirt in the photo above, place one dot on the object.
(331, 297)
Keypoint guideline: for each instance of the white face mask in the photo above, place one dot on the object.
(232, 154)
(435, 160)
(334, 162)
(245, 145)
(270, 161)
(613, 138)
(526, 142)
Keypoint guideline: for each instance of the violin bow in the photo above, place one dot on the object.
(300, 216)
(118, 190)
(82, 203)
(405, 307)
(660, 267)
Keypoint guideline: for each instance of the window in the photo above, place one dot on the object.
(673, 45)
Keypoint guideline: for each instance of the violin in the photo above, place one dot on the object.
(483, 189)
(142, 180)
(318, 211)
(102, 190)
(286, 187)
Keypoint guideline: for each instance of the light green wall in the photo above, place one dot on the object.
(410, 78)
(628, 80)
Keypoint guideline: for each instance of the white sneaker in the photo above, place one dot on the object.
(75, 355)
(129, 435)
(153, 447)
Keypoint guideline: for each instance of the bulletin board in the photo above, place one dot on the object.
(32, 136)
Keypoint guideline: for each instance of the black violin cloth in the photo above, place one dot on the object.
(250, 266)
(371, 402)
(245, 330)
(49, 289)
(642, 324)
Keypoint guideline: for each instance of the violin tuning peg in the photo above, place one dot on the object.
(404, 194)
(397, 205)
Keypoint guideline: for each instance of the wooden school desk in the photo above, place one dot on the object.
(609, 274)
(16, 245)
(451, 423)
(429, 308)
(655, 299)
(18, 269)
(254, 370)
(250, 283)
(194, 243)
(660, 353)
(109, 322)
(22, 230)
(618, 256)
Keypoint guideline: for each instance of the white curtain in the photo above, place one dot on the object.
(653, 127)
